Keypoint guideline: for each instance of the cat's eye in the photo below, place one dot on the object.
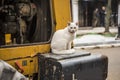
(74, 27)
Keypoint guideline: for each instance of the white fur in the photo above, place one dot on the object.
(17, 75)
(62, 39)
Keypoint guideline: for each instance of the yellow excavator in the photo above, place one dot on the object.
(26, 30)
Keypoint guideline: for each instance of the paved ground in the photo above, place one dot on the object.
(114, 61)
(95, 41)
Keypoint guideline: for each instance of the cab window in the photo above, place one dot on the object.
(25, 21)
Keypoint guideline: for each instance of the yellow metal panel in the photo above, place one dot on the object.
(30, 67)
(62, 13)
(7, 39)
(24, 51)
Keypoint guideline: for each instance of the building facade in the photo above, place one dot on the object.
(119, 13)
(85, 8)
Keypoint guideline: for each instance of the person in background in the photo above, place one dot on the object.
(96, 17)
(102, 16)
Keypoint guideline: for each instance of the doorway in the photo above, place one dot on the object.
(86, 8)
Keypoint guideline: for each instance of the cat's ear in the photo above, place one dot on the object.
(77, 23)
(68, 23)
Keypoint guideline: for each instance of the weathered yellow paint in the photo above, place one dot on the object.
(62, 13)
(20, 54)
(30, 67)
(23, 51)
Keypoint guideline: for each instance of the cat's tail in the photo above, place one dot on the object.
(70, 51)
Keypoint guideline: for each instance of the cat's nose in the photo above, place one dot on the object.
(73, 31)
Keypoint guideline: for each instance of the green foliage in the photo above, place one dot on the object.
(109, 34)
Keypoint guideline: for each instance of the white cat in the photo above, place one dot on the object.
(62, 39)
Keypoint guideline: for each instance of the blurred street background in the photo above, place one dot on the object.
(93, 41)
(114, 61)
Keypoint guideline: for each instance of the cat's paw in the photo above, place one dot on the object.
(63, 52)
(70, 51)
